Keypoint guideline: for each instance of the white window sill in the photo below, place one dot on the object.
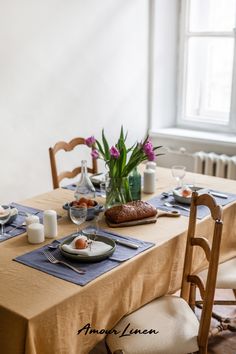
(196, 136)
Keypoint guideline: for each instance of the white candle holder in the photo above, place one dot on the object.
(50, 223)
(35, 233)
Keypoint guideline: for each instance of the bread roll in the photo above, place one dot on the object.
(136, 210)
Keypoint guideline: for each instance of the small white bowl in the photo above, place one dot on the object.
(186, 200)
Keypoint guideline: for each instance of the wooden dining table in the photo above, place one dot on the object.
(42, 314)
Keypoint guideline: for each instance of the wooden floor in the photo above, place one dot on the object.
(224, 343)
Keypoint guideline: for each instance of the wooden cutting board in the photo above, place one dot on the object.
(151, 220)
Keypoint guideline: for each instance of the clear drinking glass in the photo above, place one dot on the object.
(5, 214)
(78, 215)
(103, 189)
(178, 172)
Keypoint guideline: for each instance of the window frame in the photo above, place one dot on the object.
(184, 35)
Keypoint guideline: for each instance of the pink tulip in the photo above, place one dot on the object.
(90, 141)
(95, 154)
(114, 152)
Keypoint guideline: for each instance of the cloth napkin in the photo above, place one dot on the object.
(96, 248)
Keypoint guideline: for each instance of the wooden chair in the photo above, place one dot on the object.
(179, 329)
(62, 145)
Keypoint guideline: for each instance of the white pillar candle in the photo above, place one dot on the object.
(31, 219)
(151, 164)
(149, 181)
(35, 233)
(50, 223)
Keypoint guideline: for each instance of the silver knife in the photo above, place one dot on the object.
(127, 244)
(121, 242)
(219, 195)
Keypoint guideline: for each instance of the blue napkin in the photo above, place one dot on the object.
(37, 260)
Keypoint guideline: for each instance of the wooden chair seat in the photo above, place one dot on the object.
(63, 145)
(226, 277)
(167, 314)
(179, 329)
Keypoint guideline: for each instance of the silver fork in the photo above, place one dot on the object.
(53, 260)
(21, 226)
(175, 206)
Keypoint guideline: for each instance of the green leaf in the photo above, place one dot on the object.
(100, 148)
(106, 146)
(122, 133)
(157, 147)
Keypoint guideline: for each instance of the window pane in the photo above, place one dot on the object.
(209, 78)
(212, 15)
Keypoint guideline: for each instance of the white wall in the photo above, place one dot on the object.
(164, 63)
(67, 68)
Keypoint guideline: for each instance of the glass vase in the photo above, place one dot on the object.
(117, 191)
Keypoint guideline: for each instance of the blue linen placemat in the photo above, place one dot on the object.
(37, 260)
(72, 187)
(20, 219)
(22, 209)
(202, 211)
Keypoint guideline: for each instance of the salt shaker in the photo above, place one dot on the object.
(35, 233)
(149, 176)
(50, 223)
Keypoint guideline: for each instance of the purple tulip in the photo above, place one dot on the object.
(148, 147)
(114, 152)
(151, 156)
(95, 154)
(90, 141)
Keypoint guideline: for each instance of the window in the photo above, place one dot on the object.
(207, 65)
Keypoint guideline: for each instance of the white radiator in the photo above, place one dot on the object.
(215, 165)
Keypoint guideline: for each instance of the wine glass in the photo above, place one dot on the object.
(78, 215)
(178, 172)
(5, 214)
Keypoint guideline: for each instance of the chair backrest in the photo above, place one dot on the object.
(211, 250)
(62, 145)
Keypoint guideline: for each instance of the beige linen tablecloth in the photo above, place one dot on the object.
(42, 314)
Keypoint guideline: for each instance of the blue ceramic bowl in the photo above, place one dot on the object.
(91, 211)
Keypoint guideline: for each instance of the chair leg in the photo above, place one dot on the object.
(107, 348)
(229, 324)
(226, 323)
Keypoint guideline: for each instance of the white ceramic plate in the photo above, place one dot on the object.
(186, 200)
(84, 258)
(97, 179)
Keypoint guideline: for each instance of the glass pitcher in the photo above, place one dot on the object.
(84, 187)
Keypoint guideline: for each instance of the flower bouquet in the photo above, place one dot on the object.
(120, 161)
